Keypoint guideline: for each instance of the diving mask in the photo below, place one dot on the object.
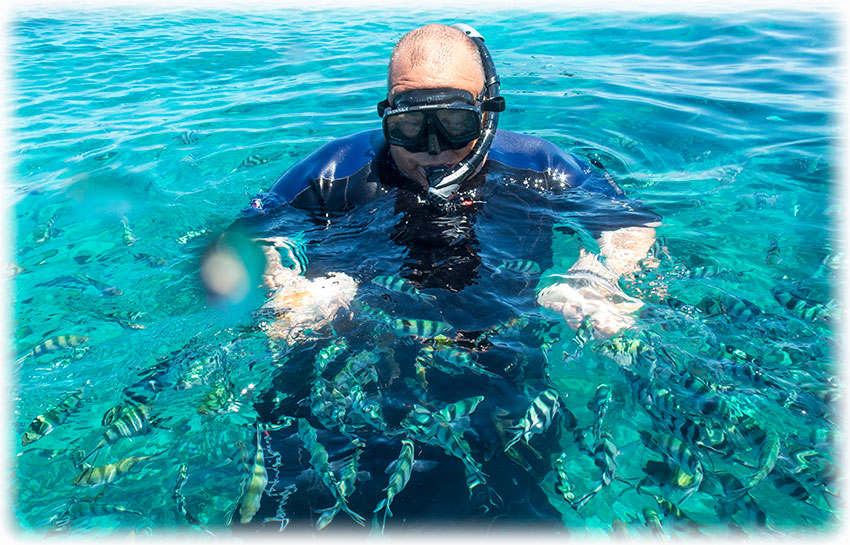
(433, 120)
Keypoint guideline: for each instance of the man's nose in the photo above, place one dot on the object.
(433, 142)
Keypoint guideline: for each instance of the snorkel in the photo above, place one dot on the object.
(444, 181)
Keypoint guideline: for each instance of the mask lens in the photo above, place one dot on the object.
(405, 127)
(461, 126)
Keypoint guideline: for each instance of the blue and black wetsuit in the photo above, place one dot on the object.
(527, 190)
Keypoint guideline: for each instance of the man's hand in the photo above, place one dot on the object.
(607, 316)
(590, 286)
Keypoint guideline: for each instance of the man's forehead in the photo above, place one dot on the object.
(456, 75)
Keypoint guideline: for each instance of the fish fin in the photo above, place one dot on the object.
(94, 450)
(514, 440)
(380, 505)
(629, 482)
(578, 504)
(494, 498)
(23, 358)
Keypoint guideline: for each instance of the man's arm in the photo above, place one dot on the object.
(590, 287)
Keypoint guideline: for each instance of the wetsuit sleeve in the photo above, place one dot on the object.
(326, 179)
(614, 211)
(577, 190)
(334, 178)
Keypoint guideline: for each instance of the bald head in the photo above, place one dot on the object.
(435, 56)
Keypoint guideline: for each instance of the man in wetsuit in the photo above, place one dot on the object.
(439, 143)
(449, 204)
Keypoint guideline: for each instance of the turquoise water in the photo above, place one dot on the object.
(138, 135)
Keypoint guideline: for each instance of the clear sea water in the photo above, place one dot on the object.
(163, 123)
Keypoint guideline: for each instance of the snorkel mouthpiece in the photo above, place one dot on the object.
(440, 188)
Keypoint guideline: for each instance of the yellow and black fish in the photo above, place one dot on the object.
(45, 423)
(257, 482)
(425, 329)
(54, 344)
(94, 476)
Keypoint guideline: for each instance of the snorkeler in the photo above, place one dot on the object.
(440, 153)
(434, 230)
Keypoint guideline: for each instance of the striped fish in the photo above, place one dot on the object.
(347, 482)
(123, 422)
(329, 353)
(88, 507)
(605, 459)
(253, 495)
(691, 433)
(401, 285)
(180, 500)
(788, 486)
(514, 323)
(252, 161)
(772, 256)
(47, 422)
(54, 344)
(128, 237)
(189, 136)
(519, 266)
(767, 458)
(132, 421)
(45, 231)
(319, 463)
(451, 360)
(435, 429)
(82, 281)
(801, 307)
(691, 474)
(562, 480)
(735, 308)
(94, 476)
(423, 329)
(626, 352)
(459, 409)
(585, 333)
(401, 469)
(218, 400)
(599, 406)
(453, 444)
(538, 417)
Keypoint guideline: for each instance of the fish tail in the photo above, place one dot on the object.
(354, 516)
(327, 516)
(386, 513)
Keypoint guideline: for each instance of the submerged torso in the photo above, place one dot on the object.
(475, 265)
